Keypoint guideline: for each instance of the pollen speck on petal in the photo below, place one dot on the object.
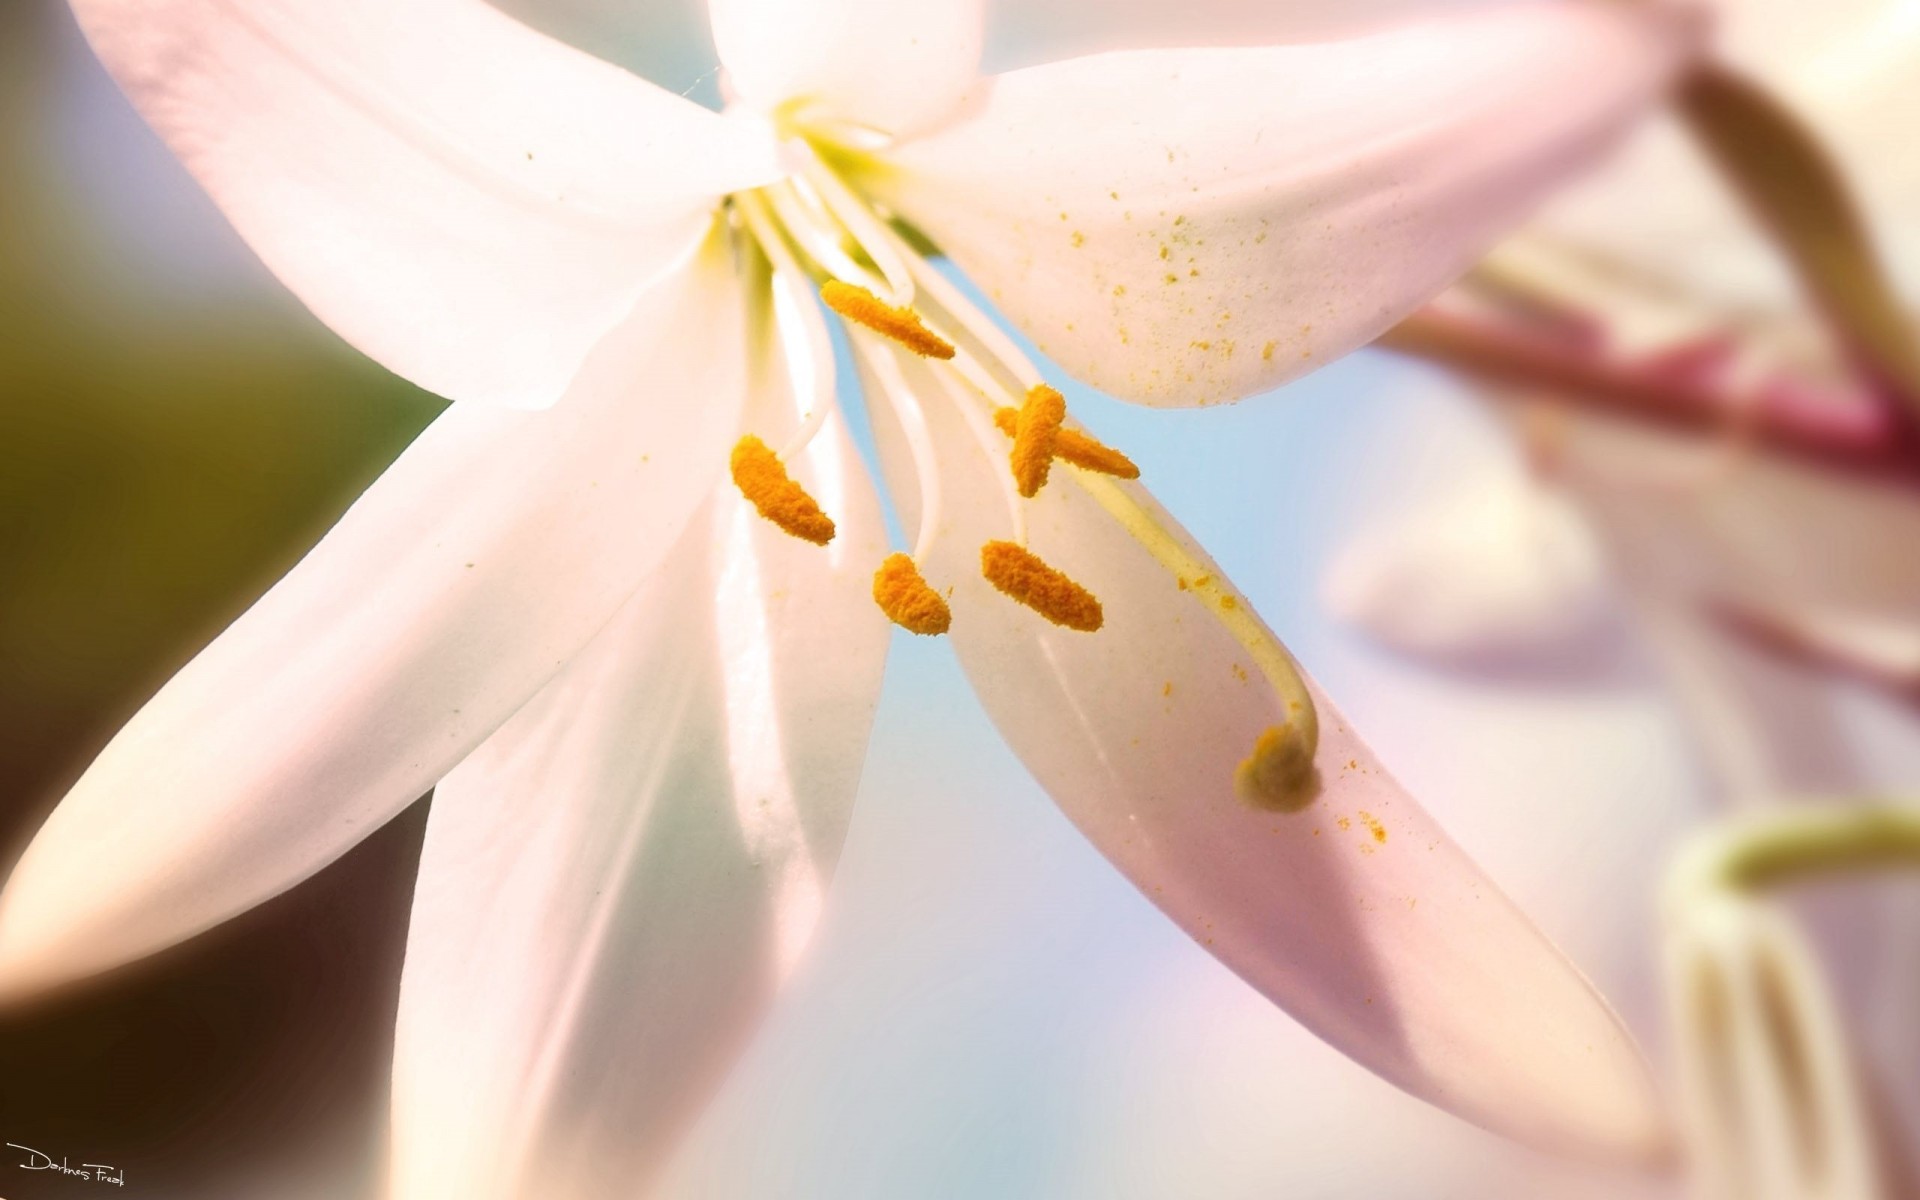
(762, 479)
(904, 595)
(901, 324)
(1036, 435)
(1024, 576)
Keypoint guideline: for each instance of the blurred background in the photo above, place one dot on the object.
(1506, 587)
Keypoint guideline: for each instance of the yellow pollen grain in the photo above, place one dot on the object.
(1023, 576)
(1075, 447)
(1036, 432)
(1279, 773)
(902, 593)
(758, 473)
(901, 324)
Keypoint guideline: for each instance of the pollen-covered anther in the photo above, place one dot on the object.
(1036, 435)
(1279, 773)
(901, 324)
(903, 594)
(763, 479)
(1024, 576)
(1075, 447)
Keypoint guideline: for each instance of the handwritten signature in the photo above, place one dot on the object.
(92, 1172)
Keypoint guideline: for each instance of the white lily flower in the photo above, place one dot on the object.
(643, 707)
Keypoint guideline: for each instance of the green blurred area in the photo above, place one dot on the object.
(168, 450)
(162, 459)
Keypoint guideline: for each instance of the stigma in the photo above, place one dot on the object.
(1279, 774)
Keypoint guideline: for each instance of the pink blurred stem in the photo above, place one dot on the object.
(1891, 670)
(1856, 432)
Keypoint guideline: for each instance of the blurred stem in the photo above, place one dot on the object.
(1864, 438)
(1779, 848)
(1778, 166)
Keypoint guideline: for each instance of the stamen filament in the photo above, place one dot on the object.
(913, 426)
(763, 479)
(901, 324)
(858, 221)
(1024, 576)
(1076, 447)
(949, 302)
(820, 242)
(971, 414)
(794, 309)
(903, 594)
(1036, 433)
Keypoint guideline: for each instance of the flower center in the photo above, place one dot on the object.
(822, 239)
(827, 246)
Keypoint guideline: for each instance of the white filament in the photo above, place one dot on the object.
(803, 331)
(994, 445)
(819, 239)
(859, 223)
(954, 303)
(881, 361)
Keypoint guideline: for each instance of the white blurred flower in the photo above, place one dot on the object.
(1743, 454)
(1501, 571)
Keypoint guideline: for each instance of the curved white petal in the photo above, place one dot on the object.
(1191, 226)
(470, 203)
(888, 65)
(468, 574)
(1358, 915)
(615, 882)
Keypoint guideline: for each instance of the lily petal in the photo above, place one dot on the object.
(613, 885)
(1184, 227)
(890, 66)
(468, 202)
(466, 576)
(1358, 915)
